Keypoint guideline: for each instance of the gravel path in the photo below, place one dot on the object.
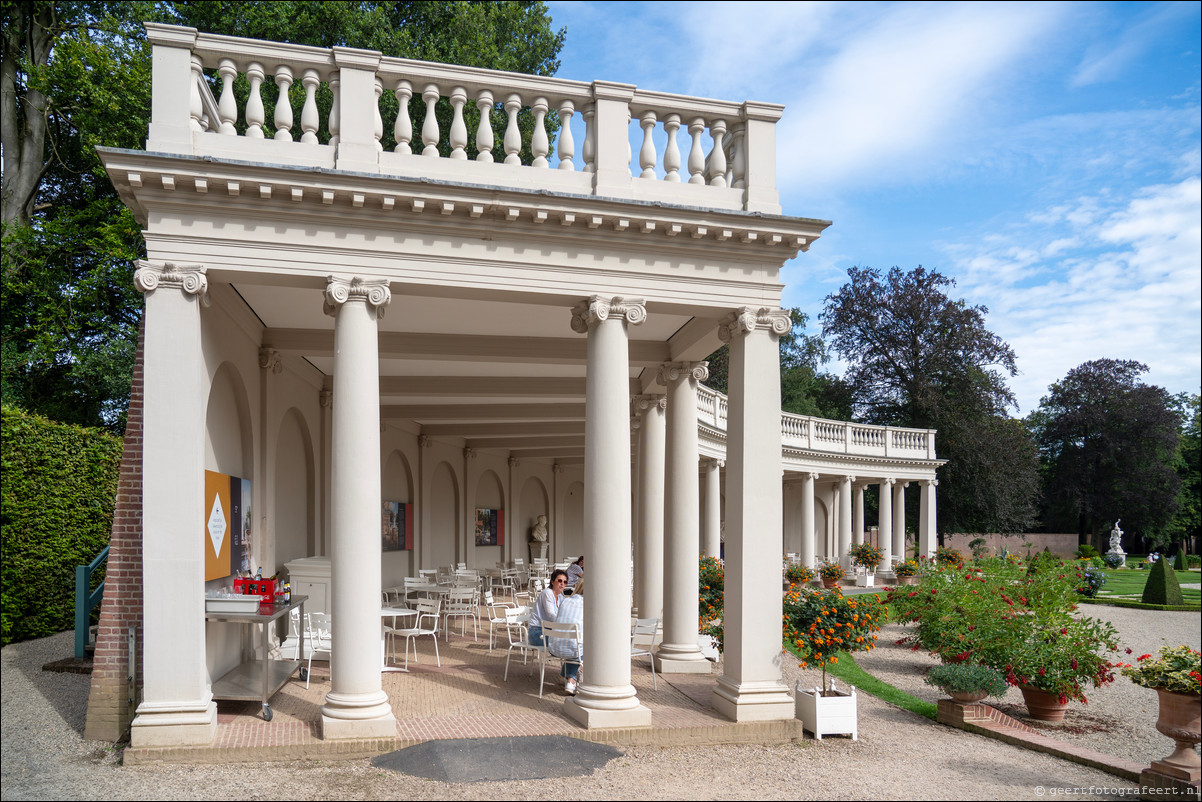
(899, 755)
(1120, 717)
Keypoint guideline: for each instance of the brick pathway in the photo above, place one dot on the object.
(466, 697)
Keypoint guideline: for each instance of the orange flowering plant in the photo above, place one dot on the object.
(711, 581)
(818, 624)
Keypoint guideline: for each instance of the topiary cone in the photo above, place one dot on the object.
(1181, 562)
(1162, 587)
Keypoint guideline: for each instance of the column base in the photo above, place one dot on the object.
(693, 662)
(174, 725)
(606, 719)
(347, 716)
(752, 701)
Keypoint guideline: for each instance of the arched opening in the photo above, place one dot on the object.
(294, 491)
(438, 544)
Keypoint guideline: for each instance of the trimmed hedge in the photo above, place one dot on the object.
(58, 485)
(1162, 587)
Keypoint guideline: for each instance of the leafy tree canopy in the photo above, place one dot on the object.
(1109, 444)
(76, 75)
(919, 358)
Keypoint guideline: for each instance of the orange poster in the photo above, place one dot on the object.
(218, 531)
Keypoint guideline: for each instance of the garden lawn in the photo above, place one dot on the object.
(1129, 583)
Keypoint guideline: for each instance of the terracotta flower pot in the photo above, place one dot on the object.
(1179, 720)
(1042, 705)
(966, 698)
(907, 580)
(829, 583)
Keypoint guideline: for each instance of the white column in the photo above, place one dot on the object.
(325, 399)
(927, 537)
(679, 653)
(807, 519)
(857, 520)
(845, 485)
(356, 706)
(605, 697)
(885, 525)
(712, 525)
(899, 519)
(649, 559)
(177, 706)
(750, 688)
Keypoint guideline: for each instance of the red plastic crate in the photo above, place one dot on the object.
(264, 588)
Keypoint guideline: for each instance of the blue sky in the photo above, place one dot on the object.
(1047, 156)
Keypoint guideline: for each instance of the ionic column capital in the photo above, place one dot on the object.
(851, 480)
(325, 398)
(424, 441)
(745, 320)
(514, 462)
(469, 453)
(149, 276)
(269, 359)
(713, 462)
(644, 403)
(694, 372)
(374, 292)
(596, 309)
(557, 468)
(889, 482)
(929, 482)
(812, 476)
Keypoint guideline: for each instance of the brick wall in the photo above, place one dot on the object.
(1060, 544)
(110, 708)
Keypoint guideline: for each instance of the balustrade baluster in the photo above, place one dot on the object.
(335, 123)
(717, 173)
(283, 106)
(309, 121)
(254, 102)
(739, 157)
(590, 139)
(484, 138)
(540, 145)
(647, 153)
(226, 108)
(402, 129)
(513, 137)
(430, 124)
(696, 157)
(567, 146)
(377, 128)
(672, 150)
(458, 136)
(196, 109)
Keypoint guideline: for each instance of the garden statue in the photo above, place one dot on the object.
(1116, 542)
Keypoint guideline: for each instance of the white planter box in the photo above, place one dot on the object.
(827, 715)
(864, 580)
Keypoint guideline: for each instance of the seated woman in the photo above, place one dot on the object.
(575, 571)
(571, 611)
(546, 606)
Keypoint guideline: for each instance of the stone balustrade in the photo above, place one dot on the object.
(211, 93)
(829, 436)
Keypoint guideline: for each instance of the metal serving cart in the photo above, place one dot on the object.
(259, 679)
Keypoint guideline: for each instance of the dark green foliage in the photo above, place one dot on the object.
(1181, 562)
(1109, 443)
(1188, 523)
(1085, 551)
(57, 488)
(1162, 587)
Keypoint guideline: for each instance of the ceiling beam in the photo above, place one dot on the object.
(485, 431)
(482, 412)
(529, 442)
(483, 386)
(462, 347)
(562, 451)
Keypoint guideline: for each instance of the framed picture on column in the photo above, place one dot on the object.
(396, 526)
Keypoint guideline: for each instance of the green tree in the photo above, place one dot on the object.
(1108, 443)
(76, 75)
(919, 358)
(1188, 523)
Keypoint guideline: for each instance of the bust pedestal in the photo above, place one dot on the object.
(538, 550)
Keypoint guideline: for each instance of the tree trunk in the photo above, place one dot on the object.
(28, 36)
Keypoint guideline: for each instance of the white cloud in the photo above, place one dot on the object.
(1125, 281)
(904, 88)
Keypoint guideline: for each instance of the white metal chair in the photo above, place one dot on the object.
(515, 629)
(461, 604)
(425, 623)
(570, 640)
(642, 637)
(496, 615)
(320, 636)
